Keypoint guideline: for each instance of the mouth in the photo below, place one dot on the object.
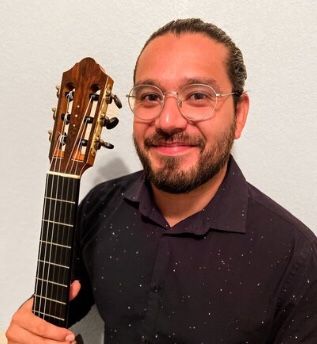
(173, 149)
(173, 146)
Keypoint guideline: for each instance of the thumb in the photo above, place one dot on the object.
(74, 289)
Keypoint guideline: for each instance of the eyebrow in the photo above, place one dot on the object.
(207, 81)
(186, 81)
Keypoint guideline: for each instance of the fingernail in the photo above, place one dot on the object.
(70, 338)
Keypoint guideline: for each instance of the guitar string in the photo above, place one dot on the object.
(80, 134)
(74, 169)
(38, 293)
(62, 273)
(51, 226)
(43, 249)
(100, 101)
(71, 166)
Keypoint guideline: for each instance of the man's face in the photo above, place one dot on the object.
(179, 155)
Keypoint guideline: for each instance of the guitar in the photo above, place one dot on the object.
(83, 99)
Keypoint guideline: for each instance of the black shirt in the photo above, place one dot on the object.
(242, 270)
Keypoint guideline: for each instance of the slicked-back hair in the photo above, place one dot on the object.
(235, 65)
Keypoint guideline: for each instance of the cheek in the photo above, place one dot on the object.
(216, 128)
(140, 131)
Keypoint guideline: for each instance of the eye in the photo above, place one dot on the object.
(150, 97)
(198, 95)
(199, 98)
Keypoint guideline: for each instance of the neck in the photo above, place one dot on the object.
(177, 207)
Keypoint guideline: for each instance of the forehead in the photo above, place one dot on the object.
(172, 58)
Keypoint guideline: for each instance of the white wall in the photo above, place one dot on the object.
(41, 39)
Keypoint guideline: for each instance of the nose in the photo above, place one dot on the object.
(170, 119)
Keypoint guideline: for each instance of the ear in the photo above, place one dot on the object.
(242, 110)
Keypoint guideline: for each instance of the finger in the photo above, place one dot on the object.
(74, 289)
(25, 320)
(17, 335)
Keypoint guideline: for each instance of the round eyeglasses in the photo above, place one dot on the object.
(196, 102)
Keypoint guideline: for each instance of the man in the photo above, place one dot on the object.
(187, 251)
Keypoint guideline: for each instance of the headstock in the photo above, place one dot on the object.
(83, 98)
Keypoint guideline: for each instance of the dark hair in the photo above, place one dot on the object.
(235, 65)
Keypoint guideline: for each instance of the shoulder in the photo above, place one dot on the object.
(277, 222)
(107, 196)
(102, 201)
(112, 188)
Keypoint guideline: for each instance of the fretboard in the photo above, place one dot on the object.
(55, 249)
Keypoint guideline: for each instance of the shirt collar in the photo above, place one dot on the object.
(227, 211)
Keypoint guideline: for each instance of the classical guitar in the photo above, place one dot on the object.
(81, 113)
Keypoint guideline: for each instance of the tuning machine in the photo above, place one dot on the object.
(110, 123)
(101, 143)
(116, 100)
(54, 113)
(50, 134)
(113, 97)
(58, 90)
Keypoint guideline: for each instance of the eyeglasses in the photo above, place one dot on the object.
(196, 102)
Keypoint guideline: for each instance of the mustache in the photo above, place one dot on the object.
(163, 138)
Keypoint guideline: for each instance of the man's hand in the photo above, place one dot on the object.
(26, 328)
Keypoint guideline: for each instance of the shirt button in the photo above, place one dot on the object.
(155, 288)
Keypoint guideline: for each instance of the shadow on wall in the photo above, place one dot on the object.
(111, 169)
(91, 327)
(104, 170)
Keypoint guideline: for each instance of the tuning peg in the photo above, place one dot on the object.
(50, 133)
(70, 95)
(102, 143)
(116, 100)
(66, 117)
(54, 113)
(110, 123)
(94, 96)
(112, 97)
(58, 89)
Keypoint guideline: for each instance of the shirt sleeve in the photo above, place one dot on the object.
(296, 318)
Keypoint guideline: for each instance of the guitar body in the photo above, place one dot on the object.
(84, 95)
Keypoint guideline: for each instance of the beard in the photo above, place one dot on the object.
(171, 177)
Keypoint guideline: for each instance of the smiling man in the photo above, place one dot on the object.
(186, 251)
(185, 119)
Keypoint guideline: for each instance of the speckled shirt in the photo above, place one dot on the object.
(242, 270)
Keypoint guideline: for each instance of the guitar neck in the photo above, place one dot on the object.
(55, 249)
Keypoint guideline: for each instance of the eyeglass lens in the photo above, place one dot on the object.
(195, 101)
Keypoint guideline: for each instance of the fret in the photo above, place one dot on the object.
(58, 223)
(49, 299)
(55, 254)
(55, 244)
(58, 234)
(50, 263)
(56, 273)
(47, 309)
(59, 212)
(40, 314)
(51, 289)
(51, 282)
(59, 200)
(61, 187)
